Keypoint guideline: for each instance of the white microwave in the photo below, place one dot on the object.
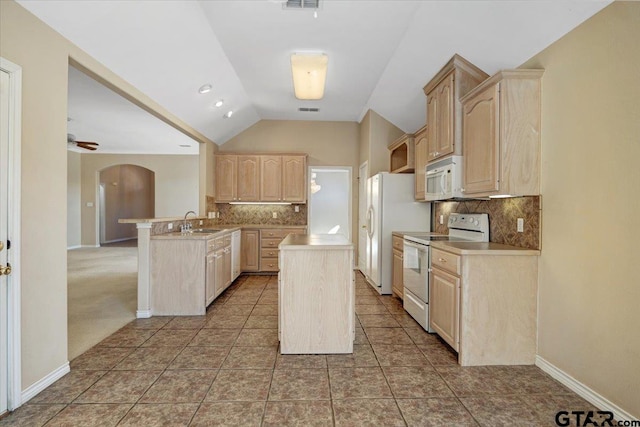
(443, 179)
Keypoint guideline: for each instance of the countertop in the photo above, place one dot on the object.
(402, 233)
(152, 220)
(315, 241)
(248, 226)
(482, 248)
(176, 235)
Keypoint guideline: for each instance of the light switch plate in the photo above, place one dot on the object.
(441, 219)
(275, 214)
(520, 223)
(89, 204)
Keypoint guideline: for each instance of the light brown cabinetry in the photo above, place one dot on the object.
(226, 178)
(401, 154)
(483, 302)
(501, 135)
(444, 110)
(250, 250)
(444, 296)
(269, 241)
(248, 178)
(261, 178)
(421, 155)
(210, 285)
(271, 178)
(397, 284)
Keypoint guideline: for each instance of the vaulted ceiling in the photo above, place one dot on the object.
(381, 53)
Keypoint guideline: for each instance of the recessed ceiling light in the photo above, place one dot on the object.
(219, 103)
(228, 114)
(185, 145)
(205, 88)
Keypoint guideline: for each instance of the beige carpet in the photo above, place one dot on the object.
(101, 292)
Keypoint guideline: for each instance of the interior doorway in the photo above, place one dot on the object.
(10, 125)
(125, 191)
(330, 200)
(363, 175)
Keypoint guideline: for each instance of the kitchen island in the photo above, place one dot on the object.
(316, 303)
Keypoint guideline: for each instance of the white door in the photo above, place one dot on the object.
(330, 200)
(4, 213)
(362, 216)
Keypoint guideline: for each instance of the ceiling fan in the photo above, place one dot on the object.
(87, 145)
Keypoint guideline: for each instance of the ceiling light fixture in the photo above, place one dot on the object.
(219, 103)
(309, 72)
(205, 88)
(228, 114)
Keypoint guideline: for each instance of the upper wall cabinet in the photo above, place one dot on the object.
(261, 178)
(501, 135)
(401, 157)
(226, 178)
(421, 155)
(444, 110)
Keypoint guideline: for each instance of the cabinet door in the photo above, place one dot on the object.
(270, 178)
(444, 303)
(220, 278)
(396, 283)
(445, 117)
(235, 254)
(210, 279)
(248, 189)
(226, 177)
(432, 125)
(420, 163)
(480, 139)
(227, 267)
(294, 183)
(250, 250)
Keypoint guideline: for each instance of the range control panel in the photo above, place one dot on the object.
(470, 222)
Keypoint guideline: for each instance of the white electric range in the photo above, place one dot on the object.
(417, 259)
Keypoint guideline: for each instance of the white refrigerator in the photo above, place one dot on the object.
(391, 207)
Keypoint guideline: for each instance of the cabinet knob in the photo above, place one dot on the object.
(442, 260)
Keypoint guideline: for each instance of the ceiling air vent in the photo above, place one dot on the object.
(301, 4)
(308, 110)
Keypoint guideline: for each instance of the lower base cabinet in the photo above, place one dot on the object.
(444, 301)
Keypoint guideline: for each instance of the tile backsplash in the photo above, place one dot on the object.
(503, 214)
(258, 214)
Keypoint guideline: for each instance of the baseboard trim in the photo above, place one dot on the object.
(44, 382)
(143, 314)
(124, 239)
(583, 391)
(90, 246)
(74, 247)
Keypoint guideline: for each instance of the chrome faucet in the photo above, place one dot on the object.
(186, 226)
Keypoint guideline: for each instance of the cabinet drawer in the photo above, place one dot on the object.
(269, 253)
(227, 240)
(273, 233)
(268, 264)
(217, 243)
(286, 231)
(270, 243)
(446, 261)
(398, 243)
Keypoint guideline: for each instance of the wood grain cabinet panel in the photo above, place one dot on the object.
(501, 138)
(248, 183)
(444, 306)
(226, 178)
(250, 250)
(271, 178)
(421, 154)
(397, 284)
(294, 182)
(444, 110)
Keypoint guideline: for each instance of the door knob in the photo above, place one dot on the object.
(5, 271)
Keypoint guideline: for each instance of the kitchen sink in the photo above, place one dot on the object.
(205, 230)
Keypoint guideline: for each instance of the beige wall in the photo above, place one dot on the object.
(207, 174)
(326, 143)
(589, 271)
(376, 133)
(44, 56)
(73, 199)
(128, 191)
(176, 185)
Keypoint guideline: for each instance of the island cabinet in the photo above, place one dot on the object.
(421, 156)
(187, 272)
(316, 294)
(444, 110)
(501, 135)
(483, 301)
(397, 284)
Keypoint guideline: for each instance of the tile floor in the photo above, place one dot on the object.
(224, 369)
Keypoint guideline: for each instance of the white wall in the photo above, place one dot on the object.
(73, 199)
(176, 185)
